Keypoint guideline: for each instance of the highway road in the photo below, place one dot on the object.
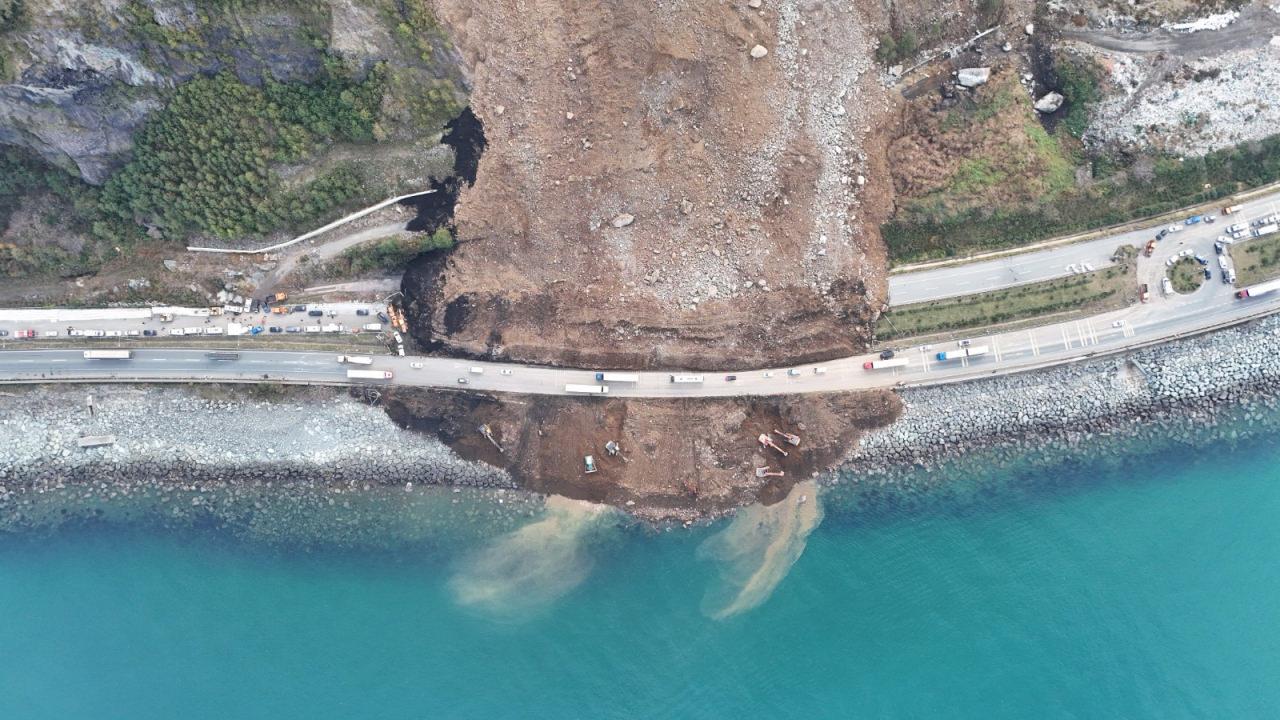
(1017, 269)
(1020, 350)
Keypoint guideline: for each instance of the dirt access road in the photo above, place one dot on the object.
(1254, 27)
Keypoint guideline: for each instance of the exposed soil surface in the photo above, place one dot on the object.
(653, 195)
(677, 459)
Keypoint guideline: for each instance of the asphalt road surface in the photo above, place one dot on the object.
(1037, 266)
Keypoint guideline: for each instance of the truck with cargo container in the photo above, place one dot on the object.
(371, 327)
(108, 354)
(1144, 293)
(587, 389)
(965, 352)
(223, 355)
(369, 375)
(617, 377)
(1258, 290)
(1265, 230)
(885, 364)
(1232, 209)
(355, 359)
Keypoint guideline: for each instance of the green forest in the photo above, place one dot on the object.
(203, 163)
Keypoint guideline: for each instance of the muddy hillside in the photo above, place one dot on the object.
(647, 458)
(681, 184)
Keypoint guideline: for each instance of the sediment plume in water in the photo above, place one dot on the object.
(757, 549)
(525, 570)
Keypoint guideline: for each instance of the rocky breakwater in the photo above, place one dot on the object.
(1194, 379)
(215, 455)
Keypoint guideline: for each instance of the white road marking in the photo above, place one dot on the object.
(1035, 349)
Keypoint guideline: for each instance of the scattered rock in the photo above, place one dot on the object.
(171, 265)
(622, 220)
(759, 51)
(753, 4)
(1030, 29)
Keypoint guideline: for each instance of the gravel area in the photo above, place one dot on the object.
(1148, 391)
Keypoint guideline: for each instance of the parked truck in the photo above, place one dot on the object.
(587, 389)
(617, 377)
(369, 375)
(355, 359)
(108, 354)
(971, 351)
(1268, 229)
(1258, 290)
(1232, 209)
(885, 364)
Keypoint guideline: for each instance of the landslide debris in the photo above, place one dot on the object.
(678, 459)
(654, 193)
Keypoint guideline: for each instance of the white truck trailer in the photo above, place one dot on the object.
(1259, 289)
(355, 359)
(886, 364)
(973, 351)
(686, 379)
(587, 389)
(617, 377)
(369, 375)
(108, 354)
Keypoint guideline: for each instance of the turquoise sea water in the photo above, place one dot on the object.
(1147, 586)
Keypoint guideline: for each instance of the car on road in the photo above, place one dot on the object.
(274, 329)
(25, 334)
(383, 317)
(415, 365)
(1194, 219)
(462, 381)
(315, 313)
(1166, 286)
(131, 333)
(504, 371)
(1217, 248)
(299, 308)
(255, 330)
(1163, 232)
(793, 372)
(362, 311)
(1172, 259)
(1201, 259)
(1210, 219)
(1117, 324)
(730, 378)
(148, 333)
(886, 355)
(4, 333)
(1088, 267)
(1207, 274)
(767, 374)
(1174, 228)
(964, 343)
(293, 328)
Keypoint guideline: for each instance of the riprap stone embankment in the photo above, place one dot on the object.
(1193, 377)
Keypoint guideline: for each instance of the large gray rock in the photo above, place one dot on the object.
(1049, 103)
(973, 77)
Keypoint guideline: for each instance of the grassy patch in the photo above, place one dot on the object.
(1256, 260)
(1186, 275)
(1091, 292)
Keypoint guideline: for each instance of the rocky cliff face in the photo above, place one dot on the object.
(82, 75)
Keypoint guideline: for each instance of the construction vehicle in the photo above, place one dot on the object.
(767, 441)
(793, 439)
(590, 463)
(282, 296)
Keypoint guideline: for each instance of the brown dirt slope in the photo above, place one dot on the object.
(664, 469)
(752, 240)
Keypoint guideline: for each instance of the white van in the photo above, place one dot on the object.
(477, 371)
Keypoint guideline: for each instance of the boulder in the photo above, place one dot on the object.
(622, 220)
(759, 51)
(1049, 103)
(973, 77)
